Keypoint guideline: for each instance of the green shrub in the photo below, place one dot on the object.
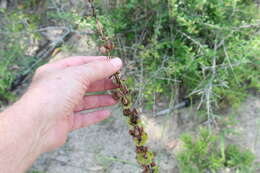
(17, 31)
(9, 59)
(206, 48)
(235, 158)
(204, 153)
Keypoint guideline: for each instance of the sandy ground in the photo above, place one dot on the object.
(107, 147)
(248, 126)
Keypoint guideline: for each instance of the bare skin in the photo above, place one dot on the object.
(51, 108)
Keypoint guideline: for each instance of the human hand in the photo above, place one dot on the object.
(57, 95)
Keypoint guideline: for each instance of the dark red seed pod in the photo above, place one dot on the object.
(140, 130)
(134, 112)
(124, 89)
(146, 169)
(134, 121)
(109, 45)
(127, 112)
(116, 95)
(125, 101)
(153, 164)
(135, 117)
(139, 149)
(137, 132)
(145, 149)
(145, 156)
(132, 132)
(117, 80)
(142, 149)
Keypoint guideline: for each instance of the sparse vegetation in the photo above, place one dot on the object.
(16, 32)
(206, 153)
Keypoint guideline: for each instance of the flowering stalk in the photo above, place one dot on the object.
(144, 157)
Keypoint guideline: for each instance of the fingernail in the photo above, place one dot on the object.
(116, 62)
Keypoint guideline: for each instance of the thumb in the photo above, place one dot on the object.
(98, 70)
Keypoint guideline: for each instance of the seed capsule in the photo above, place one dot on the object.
(135, 112)
(124, 89)
(146, 169)
(117, 80)
(145, 156)
(132, 132)
(145, 149)
(116, 95)
(109, 45)
(134, 120)
(139, 149)
(141, 130)
(127, 112)
(136, 132)
(125, 101)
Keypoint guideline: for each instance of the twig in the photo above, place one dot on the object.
(41, 56)
(246, 26)
(190, 38)
(229, 62)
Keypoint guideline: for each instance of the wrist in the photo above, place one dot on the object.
(20, 139)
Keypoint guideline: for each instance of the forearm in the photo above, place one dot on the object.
(19, 138)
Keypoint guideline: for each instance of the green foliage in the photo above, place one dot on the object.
(207, 48)
(14, 30)
(205, 153)
(235, 158)
(64, 18)
(7, 75)
(19, 32)
(35, 172)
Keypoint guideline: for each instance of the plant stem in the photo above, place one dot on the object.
(144, 157)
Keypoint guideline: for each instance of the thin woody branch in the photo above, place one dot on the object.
(144, 157)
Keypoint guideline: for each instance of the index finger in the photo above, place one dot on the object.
(98, 70)
(75, 61)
